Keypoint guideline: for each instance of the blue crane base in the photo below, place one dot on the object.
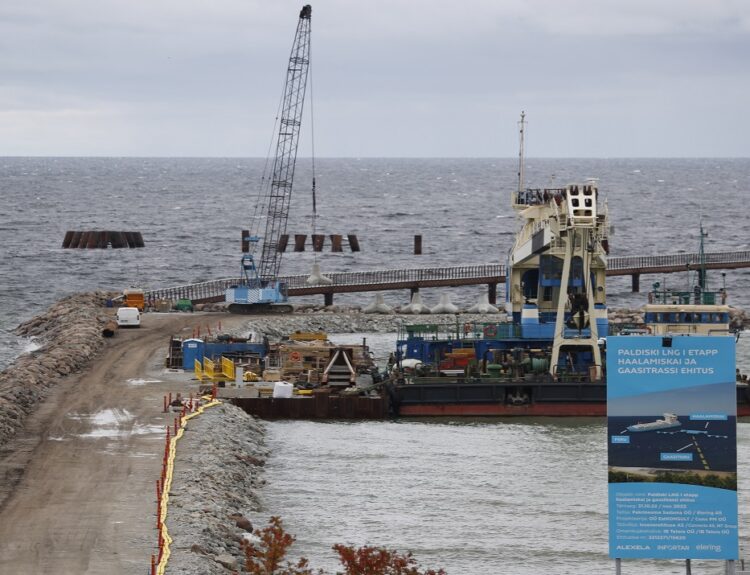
(259, 308)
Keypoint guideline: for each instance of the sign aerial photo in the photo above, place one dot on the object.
(671, 417)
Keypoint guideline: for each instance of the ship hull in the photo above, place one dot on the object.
(500, 410)
(512, 399)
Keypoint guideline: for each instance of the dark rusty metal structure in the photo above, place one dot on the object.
(319, 406)
(94, 239)
(318, 242)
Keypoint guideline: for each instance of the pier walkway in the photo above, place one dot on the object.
(414, 279)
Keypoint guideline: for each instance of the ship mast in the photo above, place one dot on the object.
(702, 271)
(521, 167)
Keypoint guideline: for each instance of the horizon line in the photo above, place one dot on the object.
(514, 158)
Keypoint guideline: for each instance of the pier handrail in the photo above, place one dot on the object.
(213, 290)
(673, 260)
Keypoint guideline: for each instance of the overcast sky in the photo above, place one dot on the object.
(597, 78)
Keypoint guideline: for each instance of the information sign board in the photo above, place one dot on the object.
(671, 419)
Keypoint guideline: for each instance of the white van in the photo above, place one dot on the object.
(128, 317)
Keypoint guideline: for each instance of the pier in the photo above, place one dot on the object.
(483, 274)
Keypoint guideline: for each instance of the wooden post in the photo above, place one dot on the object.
(618, 566)
(328, 299)
(688, 568)
(417, 244)
(636, 283)
(492, 293)
(731, 568)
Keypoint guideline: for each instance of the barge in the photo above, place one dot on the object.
(549, 357)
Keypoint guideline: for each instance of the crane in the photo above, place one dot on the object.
(259, 289)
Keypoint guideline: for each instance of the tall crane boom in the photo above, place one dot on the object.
(259, 289)
(286, 148)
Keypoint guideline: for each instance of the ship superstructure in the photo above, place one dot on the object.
(693, 311)
(557, 268)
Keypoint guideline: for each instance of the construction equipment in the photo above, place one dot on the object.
(133, 297)
(259, 290)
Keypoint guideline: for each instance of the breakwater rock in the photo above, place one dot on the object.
(218, 472)
(738, 318)
(278, 326)
(624, 316)
(69, 332)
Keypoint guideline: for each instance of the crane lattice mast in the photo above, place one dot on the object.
(286, 148)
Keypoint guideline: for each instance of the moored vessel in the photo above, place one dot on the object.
(548, 357)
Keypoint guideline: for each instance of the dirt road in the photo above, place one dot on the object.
(87, 461)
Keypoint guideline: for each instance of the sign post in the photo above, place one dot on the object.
(671, 419)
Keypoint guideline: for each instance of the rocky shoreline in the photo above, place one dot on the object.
(70, 332)
(214, 487)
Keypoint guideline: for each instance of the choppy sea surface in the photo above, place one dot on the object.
(473, 496)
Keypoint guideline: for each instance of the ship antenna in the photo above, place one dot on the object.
(521, 167)
(702, 279)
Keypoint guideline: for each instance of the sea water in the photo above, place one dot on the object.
(191, 211)
(482, 496)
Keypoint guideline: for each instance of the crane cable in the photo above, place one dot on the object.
(312, 139)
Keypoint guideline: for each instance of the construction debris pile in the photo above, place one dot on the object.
(213, 490)
(70, 334)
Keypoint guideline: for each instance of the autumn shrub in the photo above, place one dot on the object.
(267, 556)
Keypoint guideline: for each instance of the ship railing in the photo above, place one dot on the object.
(536, 196)
(462, 331)
(627, 329)
(699, 297)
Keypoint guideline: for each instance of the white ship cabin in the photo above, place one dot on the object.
(670, 312)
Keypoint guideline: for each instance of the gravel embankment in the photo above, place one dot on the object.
(353, 321)
(70, 334)
(218, 472)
